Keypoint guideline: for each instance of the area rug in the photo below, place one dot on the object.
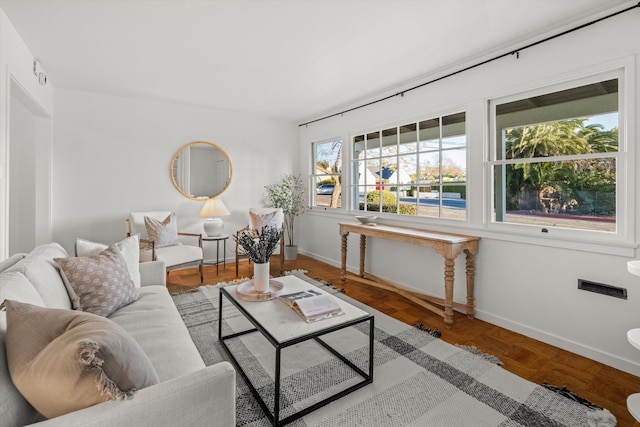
(419, 380)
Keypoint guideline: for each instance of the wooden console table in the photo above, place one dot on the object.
(447, 245)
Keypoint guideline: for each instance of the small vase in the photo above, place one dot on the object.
(261, 277)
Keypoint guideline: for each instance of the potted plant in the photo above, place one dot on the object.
(288, 194)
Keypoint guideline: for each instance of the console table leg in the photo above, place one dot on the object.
(363, 246)
(449, 265)
(343, 275)
(471, 272)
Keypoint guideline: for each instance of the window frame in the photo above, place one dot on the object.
(624, 157)
(314, 175)
(442, 217)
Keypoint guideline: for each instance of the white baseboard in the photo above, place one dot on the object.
(608, 359)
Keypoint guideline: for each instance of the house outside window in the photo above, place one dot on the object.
(327, 174)
(556, 159)
(415, 169)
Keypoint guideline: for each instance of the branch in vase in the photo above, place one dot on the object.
(259, 249)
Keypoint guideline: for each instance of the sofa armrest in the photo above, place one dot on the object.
(153, 273)
(206, 397)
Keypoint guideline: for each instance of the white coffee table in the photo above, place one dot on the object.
(283, 327)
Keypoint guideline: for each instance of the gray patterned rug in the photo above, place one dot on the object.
(419, 380)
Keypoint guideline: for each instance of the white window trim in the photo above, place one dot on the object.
(312, 176)
(432, 222)
(624, 237)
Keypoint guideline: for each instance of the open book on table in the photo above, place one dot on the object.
(312, 305)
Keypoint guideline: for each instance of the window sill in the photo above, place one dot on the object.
(626, 249)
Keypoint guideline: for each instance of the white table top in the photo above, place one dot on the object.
(633, 336)
(220, 237)
(282, 322)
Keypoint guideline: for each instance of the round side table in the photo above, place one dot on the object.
(221, 238)
(633, 401)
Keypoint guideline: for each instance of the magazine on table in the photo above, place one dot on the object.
(312, 305)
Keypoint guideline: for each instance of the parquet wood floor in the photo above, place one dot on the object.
(531, 359)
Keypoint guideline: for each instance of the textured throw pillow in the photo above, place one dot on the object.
(258, 218)
(163, 233)
(99, 284)
(130, 248)
(64, 360)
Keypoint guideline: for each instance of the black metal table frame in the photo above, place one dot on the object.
(274, 416)
(218, 239)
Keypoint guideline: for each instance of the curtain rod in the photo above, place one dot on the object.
(486, 61)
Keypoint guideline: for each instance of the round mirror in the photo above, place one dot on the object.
(201, 170)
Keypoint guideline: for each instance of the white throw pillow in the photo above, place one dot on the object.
(130, 248)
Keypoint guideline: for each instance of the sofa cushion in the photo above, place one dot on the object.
(98, 284)
(44, 274)
(12, 260)
(163, 233)
(64, 360)
(172, 351)
(15, 285)
(130, 248)
(15, 409)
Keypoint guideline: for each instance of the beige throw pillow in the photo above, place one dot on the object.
(64, 360)
(259, 218)
(98, 284)
(130, 248)
(163, 233)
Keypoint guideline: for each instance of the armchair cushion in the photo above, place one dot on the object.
(130, 248)
(99, 284)
(72, 360)
(181, 254)
(163, 233)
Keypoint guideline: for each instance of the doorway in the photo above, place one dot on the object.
(29, 172)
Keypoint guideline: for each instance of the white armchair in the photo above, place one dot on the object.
(258, 218)
(175, 255)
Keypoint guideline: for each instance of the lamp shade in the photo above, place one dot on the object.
(214, 208)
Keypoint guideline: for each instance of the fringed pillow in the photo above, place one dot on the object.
(64, 360)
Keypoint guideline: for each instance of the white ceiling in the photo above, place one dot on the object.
(291, 59)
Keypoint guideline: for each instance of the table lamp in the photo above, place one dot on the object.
(211, 210)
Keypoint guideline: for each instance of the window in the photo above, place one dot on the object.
(556, 159)
(327, 174)
(416, 169)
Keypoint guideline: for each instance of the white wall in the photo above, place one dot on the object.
(524, 284)
(112, 155)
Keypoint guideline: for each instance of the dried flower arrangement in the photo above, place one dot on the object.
(260, 246)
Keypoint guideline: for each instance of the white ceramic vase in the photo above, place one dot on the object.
(261, 277)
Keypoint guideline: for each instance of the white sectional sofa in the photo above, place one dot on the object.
(188, 392)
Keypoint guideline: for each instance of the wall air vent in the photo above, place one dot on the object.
(600, 288)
